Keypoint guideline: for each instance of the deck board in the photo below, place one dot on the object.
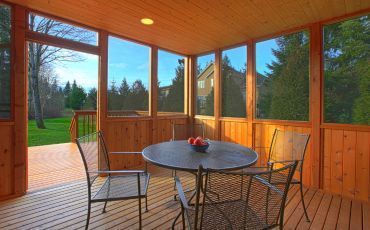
(64, 206)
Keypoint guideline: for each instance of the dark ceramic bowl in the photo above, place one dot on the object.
(200, 148)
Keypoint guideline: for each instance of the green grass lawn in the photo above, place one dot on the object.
(57, 131)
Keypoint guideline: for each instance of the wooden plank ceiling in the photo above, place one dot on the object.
(196, 26)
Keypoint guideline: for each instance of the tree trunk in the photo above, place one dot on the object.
(33, 74)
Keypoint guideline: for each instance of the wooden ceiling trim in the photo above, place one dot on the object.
(193, 26)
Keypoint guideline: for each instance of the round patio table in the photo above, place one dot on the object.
(220, 155)
(178, 155)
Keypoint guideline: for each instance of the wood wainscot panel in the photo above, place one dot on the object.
(346, 163)
(234, 131)
(209, 126)
(6, 160)
(164, 130)
(134, 136)
(127, 136)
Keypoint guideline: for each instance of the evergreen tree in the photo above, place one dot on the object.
(174, 102)
(233, 103)
(91, 99)
(78, 96)
(209, 104)
(124, 92)
(138, 100)
(347, 71)
(67, 95)
(284, 93)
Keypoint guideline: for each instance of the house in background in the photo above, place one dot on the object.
(205, 85)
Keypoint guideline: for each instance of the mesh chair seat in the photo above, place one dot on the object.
(229, 215)
(121, 187)
(237, 200)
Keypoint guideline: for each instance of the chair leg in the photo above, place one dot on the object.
(105, 205)
(302, 200)
(140, 226)
(88, 215)
(146, 203)
(174, 183)
(183, 217)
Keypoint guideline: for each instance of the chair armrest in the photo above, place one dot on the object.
(118, 153)
(281, 162)
(118, 171)
(257, 169)
(181, 193)
(270, 185)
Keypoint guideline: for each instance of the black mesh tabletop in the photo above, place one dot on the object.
(220, 155)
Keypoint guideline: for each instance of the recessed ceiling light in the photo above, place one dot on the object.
(147, 21)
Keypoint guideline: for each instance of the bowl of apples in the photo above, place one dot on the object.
(198, 144)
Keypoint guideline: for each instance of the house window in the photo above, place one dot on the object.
(205, 92)
(128, 78)
(233, 76)
(201, 84)
(282, 77)
(347, 71)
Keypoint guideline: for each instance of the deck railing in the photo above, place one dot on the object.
(83, 122)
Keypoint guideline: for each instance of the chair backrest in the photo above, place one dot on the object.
(184, 131)
(237, 200)
(288, 146)
(94, 154)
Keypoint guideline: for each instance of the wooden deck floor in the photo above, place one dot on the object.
(64, 207)
(53, 165)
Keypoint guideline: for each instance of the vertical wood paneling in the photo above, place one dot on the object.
(337, 162)
(6, 151)
(346, 163)
(362, 166)
(327, 160)
(349, 164)
(234, 131)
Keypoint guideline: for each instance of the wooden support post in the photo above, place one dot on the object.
(102, 106)
(153, 105)
(20, 100)
(250, 92)
(315, 105)
(191, 97)
(217, 93)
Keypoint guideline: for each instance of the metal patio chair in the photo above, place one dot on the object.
(287, 146)
(237, 200)
(183, 132)
(105, 184)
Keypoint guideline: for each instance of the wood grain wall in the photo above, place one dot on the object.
(346, 163)
(135, 135)
(6, 151)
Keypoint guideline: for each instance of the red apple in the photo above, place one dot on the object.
(198, 142)
(191, 140)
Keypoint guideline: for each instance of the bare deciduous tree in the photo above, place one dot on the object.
(40, 54)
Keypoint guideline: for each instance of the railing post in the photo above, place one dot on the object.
(76, 126)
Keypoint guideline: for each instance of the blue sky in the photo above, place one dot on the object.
(264, 55)
(131, 60)
(237, 56)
